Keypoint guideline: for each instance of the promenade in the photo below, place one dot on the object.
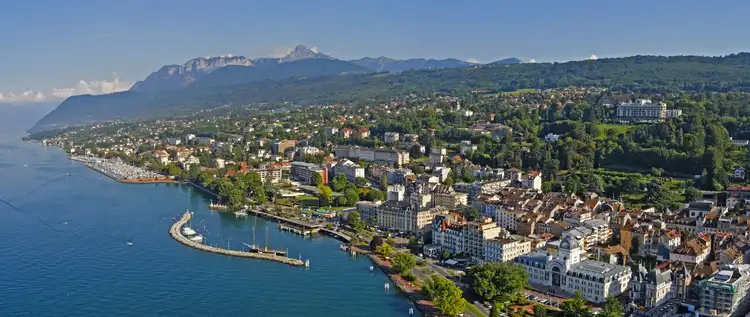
(176, 233)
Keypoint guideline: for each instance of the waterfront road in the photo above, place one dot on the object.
(424, 273)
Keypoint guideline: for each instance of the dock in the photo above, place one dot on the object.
(176, 233)
(296, 224)
(295, 229)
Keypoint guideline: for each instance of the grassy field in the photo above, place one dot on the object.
(604, 127)
(515, 92)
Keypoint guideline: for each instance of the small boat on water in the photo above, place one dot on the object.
(188, 231)
(258, 249)
(197, 238)
(129, 243)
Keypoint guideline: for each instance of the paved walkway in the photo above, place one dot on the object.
(175, 232)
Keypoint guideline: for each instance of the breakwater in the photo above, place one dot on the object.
(175, 232)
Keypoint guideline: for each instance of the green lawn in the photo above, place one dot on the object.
(603, 128)
(519, 91)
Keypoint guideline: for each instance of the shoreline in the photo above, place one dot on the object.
(149, 180)
(175, 232)
(415, 296)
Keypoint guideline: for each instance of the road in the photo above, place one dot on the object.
(424, 273)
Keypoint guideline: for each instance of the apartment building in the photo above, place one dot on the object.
(304, 172)
(476, 232)
(725, 292)
(350, 169)
(368, 210)
(642, 110)
(393, 157)
(399, 215)
(505, 248)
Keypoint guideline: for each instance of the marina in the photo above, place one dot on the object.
(120, 171)
(176, 232)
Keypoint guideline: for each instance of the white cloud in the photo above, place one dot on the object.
(593, 57)
(26, 96)
(226, 56)
(94, 87)
(532, 61)
(314, 49)
(473, 60)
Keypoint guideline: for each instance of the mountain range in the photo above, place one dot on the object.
(299, 62)
(305, 76)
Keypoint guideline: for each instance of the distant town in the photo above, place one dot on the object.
(632, 204)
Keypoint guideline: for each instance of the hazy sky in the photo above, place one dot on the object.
(61, 47)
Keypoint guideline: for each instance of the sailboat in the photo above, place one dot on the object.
(257, 249)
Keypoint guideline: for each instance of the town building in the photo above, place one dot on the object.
(272, 175)
(280, 146)
(642, 110)
(368, 210)
(569, 271)
(399, 215)
(651, 289)
(391, 137)
(506, 247)
(304, 172)
(393, 157)
(476, 233)
(725, 292)
(350, 169)
(444, 195)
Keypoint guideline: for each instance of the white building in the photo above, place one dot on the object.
(651, 289)
(391, 137)
(350, 169)
(505, 248)
(570, 272)
(396, 192)
(368, 210)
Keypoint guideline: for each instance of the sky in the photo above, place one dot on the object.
(52, 49)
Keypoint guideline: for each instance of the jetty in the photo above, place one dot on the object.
(310, 227)
(176, 233)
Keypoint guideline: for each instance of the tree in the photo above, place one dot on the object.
(375, 195)
(612, 308)
(540, 311)
(498, 281)
(339, 182)
(446, 296)
(351, 196)
(448, 181)
(384, 249)
(355, 220)
(576, 307)
(404, 262)
(376, 242)
(361, 182)
(384, 182)
(325, 196)
(316, 180)
(657, 195)
(341, 201)
(692, 194)
(470, 213)
(173, 170)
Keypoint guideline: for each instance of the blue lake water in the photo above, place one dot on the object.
(65, 252)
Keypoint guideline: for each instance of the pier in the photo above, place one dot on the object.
(295, 229)
(175, 232)
(297, 224)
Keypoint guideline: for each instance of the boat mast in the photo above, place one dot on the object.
(256, 220)
(266, 237)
